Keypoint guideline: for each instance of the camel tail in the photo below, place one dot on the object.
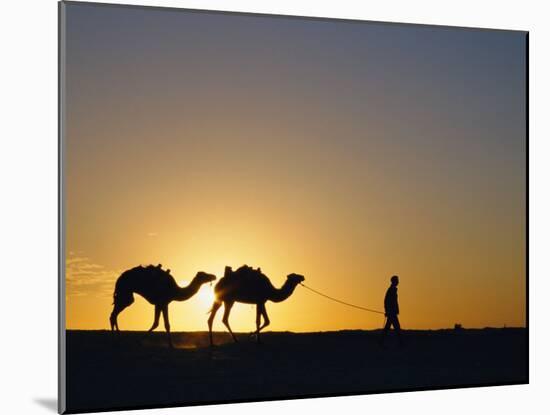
(119, 292)
(116, 291)
(115, 295)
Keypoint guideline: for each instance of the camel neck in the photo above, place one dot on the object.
(284, 292)
(184, 293)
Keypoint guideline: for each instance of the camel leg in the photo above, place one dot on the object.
(113, 318)
(215, 307)
(225, 319)
(157, 317)
(121, 302)
(263, 311)
(167, 324)
(265, 316)
(258, 319)
(117, 309)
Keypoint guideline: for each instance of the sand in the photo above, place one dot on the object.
(136, 369)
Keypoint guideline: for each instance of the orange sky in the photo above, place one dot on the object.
(344, 152)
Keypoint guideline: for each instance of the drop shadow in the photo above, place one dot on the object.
(48, 403)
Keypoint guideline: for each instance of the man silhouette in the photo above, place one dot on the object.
(391, 309)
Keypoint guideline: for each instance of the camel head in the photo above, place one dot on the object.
(203, 277)
(295, 278)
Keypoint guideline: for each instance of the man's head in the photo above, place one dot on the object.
(394, 280)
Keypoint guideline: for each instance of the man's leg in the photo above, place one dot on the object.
(396, 325)
(397, 328)
(385, 330)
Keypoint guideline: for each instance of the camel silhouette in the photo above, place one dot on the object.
(249, 286)
(158, 287)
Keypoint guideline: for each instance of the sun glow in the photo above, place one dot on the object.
(205, 295)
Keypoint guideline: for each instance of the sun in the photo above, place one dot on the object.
(205, 296)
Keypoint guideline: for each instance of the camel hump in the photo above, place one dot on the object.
(242, 269)
(247, 271)
(143, 274)
(248, 275)
(243, 274)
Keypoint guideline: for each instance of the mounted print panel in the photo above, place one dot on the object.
(258, 207)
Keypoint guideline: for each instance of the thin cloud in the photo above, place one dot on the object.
(85, 277)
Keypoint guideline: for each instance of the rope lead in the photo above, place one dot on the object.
(340, 301)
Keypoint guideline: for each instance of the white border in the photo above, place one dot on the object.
(29, 201)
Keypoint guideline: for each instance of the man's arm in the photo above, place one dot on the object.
(390, 301)
(387, 301)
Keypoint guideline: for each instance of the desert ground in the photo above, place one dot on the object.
(136, 369)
